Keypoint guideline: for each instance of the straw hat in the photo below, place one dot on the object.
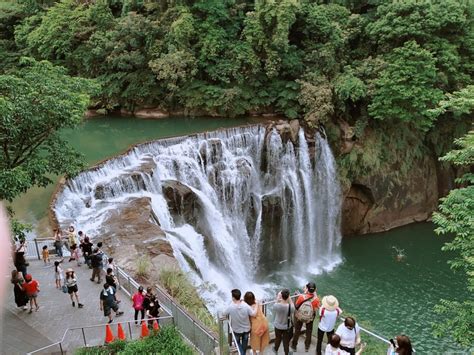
(70, 270)
(330, 302)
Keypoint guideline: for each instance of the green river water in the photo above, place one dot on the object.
(393, 297)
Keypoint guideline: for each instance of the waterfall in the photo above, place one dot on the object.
(260, 203)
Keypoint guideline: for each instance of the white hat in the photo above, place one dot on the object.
(330, 302)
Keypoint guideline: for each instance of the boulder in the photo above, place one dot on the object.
(183, 203)
(129, 235)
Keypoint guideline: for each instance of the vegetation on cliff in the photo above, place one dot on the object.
(370, 71)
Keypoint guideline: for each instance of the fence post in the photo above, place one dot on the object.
(84, 337)
(222, 341)
(37, 250)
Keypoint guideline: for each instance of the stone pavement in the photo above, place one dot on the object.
(24, 332)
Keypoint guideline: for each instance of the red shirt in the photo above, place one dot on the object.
(31, 287)
(306, 296)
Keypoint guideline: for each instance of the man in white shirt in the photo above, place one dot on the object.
(239, 313)
(328, 314)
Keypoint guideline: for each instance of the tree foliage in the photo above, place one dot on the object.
(35, 103)
(456, 217)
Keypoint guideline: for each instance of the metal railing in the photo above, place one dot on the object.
(192, 329)
(88, 336)
(225, 339)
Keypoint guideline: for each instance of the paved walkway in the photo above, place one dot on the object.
(24, 332)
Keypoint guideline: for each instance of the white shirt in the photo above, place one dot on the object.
(328, 320)
(348, 337)
(332, 351)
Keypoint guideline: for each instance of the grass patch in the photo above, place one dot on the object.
(181, 289)
(143, 266)
(166, 341)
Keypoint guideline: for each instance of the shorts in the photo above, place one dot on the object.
(33, 295)
(71, 289)
(108, 308)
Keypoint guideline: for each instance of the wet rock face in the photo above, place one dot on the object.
(128, 235)
(374, 204)
(272, 213)
(182, 201)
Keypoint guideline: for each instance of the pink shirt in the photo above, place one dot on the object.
(138, 301)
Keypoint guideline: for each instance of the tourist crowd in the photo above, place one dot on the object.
(248, 322)
(82, 250)
(250, 326)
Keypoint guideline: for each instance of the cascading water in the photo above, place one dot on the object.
(261, 203)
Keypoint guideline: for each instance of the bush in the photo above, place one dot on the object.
(166, 341)
(179, 287)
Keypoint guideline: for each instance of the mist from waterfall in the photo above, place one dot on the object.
(264, 206)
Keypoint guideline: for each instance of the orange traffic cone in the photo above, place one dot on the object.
(156, 326)
(120, 332)
(109, 337)
(145, 331)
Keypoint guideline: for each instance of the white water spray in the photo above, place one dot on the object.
(263, 203)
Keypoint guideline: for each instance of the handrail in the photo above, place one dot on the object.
(342, 318)
(88, 327)
(196, 321)
(233, 335)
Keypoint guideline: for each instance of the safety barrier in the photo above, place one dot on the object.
(89, 336)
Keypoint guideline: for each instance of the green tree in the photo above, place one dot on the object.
(456, 217)
(406, 89)
(35, 103)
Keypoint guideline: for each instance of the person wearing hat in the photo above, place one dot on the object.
(71, 284)
(328, 314)
(309, 297)
(31, 288)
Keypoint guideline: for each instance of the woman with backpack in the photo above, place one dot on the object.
(328, 314)
(306, 306)
(259, 333)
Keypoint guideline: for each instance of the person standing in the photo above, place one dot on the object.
(283, 310)
(31, 288)
(239, 313)
(349, 332)
(328, 314)
(400, 345)
(45, 254)
(154, 310)
(306, 306)
(108, 302)
(137, 300)
(58, 243)
(21, 299)
(97, 264)
(19, 258)
(86, 247)
(72, 289)
(58, 274)
(259, 333)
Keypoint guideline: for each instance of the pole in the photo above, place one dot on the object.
(37, 250)
(84, 337)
